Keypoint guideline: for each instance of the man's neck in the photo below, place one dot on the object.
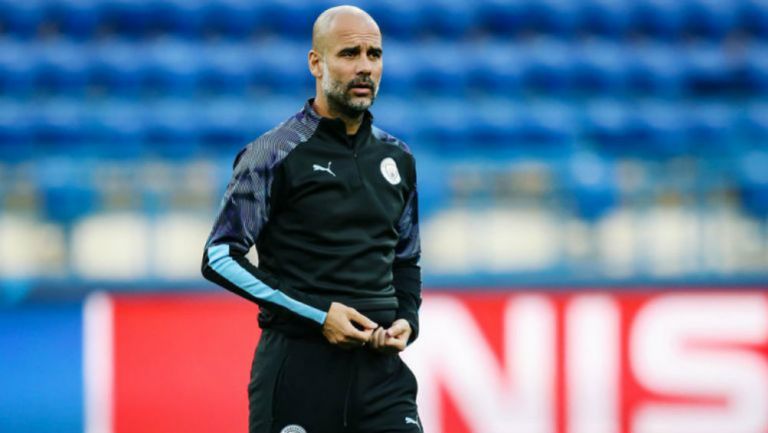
(322, 108)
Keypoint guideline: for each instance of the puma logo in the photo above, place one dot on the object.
(316, 167)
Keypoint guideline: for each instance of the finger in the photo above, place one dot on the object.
(353, 333)
(361, 320)
(397, 328)
(375, 340)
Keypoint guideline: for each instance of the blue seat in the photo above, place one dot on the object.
(16, 134)
(501, 17)
(227, 68)
(658, 130)
(755, 69)
(22, 18)
(547, 67)
(119, 67)
(754, 183)
(754, 16)
(63, 68)
(448, 19)
(438, 73)
(292, 19)
(753, 125)
(18, 67)
(173, 128)
(399, 76)
(606, 124)
(173, 68)
(593, 185)
(548, 129)
(59, 126)
(224, 126)
(184, 18)
(117, 128)
(399, 19)
(67, 190)
(281, 68)
(655, 69)
(394, 114)
(233, 18)
(708, 70)
(605, 17)
(128, 17)
(76, 18)
(658, 18)
(712, 130)
(444, 126)
(553, 17)
(713, 19)
(494, 68)
(496, 125)
(601, 68)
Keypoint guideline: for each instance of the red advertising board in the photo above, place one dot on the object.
(487, 362)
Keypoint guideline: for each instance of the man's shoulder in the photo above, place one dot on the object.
(387, 138)
(275, 144)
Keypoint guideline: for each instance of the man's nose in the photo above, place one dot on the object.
(364, 66)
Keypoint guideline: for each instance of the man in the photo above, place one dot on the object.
(329, 202)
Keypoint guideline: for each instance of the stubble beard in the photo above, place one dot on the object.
(341, 101)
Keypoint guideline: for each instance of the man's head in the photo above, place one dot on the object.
(346, 60)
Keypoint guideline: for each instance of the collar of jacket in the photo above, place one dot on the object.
(336, 127)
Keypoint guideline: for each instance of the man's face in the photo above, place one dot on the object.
(352, 65)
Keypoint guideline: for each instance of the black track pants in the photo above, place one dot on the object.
(308, 385)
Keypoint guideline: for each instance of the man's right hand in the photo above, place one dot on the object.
(339, 326)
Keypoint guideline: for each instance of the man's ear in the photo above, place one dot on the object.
(314, 61)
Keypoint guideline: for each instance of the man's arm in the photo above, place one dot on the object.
(406, 271)
(243, 213)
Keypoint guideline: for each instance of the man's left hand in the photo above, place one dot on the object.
(391, 340)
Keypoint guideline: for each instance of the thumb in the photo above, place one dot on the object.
(397, 328)
(361, 320)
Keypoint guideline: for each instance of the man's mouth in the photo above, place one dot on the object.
(361, 89)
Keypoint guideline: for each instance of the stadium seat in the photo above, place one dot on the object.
(712, 19)
(754, 183)
(592, 183)
(396, 116)
(501, 17)
(173, 128)
(754, 16)
(399, 19)
(119, 67)
(117, 128)
(17, 68)
(455, 18)
(290, 18)
(657, 130)
(281, 68)
(655, 69)
(63, 68)
(184, 18)
(173, 68)
(128, 18)
(662, 19)
(604, 17)
(547, 66)
(708, 70)
(22, 18)
(495, 125)
(59, 126)
(712, 130)
(494, 68)
(235, 19)
(16, 135)
(600, 68)
(552, 17)
(753, 124)
(755, 69)
(66, 189)
(439, 73)
(444, 127)
(399, 74)
(75, 18)
(227, 68)
(224, 126)
(606, 124)
(548, 129)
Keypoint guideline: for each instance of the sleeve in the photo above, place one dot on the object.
(406, 271)
(242, 215)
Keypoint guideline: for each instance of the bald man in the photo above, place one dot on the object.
(329, 202)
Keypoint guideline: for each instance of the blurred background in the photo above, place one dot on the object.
(610, 150)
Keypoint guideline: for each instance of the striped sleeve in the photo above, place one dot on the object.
(242, 215)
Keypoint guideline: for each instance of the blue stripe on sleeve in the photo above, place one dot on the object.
(220, 261)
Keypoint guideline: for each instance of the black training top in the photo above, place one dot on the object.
(333, 218)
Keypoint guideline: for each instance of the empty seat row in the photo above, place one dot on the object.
(185, 127)
(178, 67)
(399, 18)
